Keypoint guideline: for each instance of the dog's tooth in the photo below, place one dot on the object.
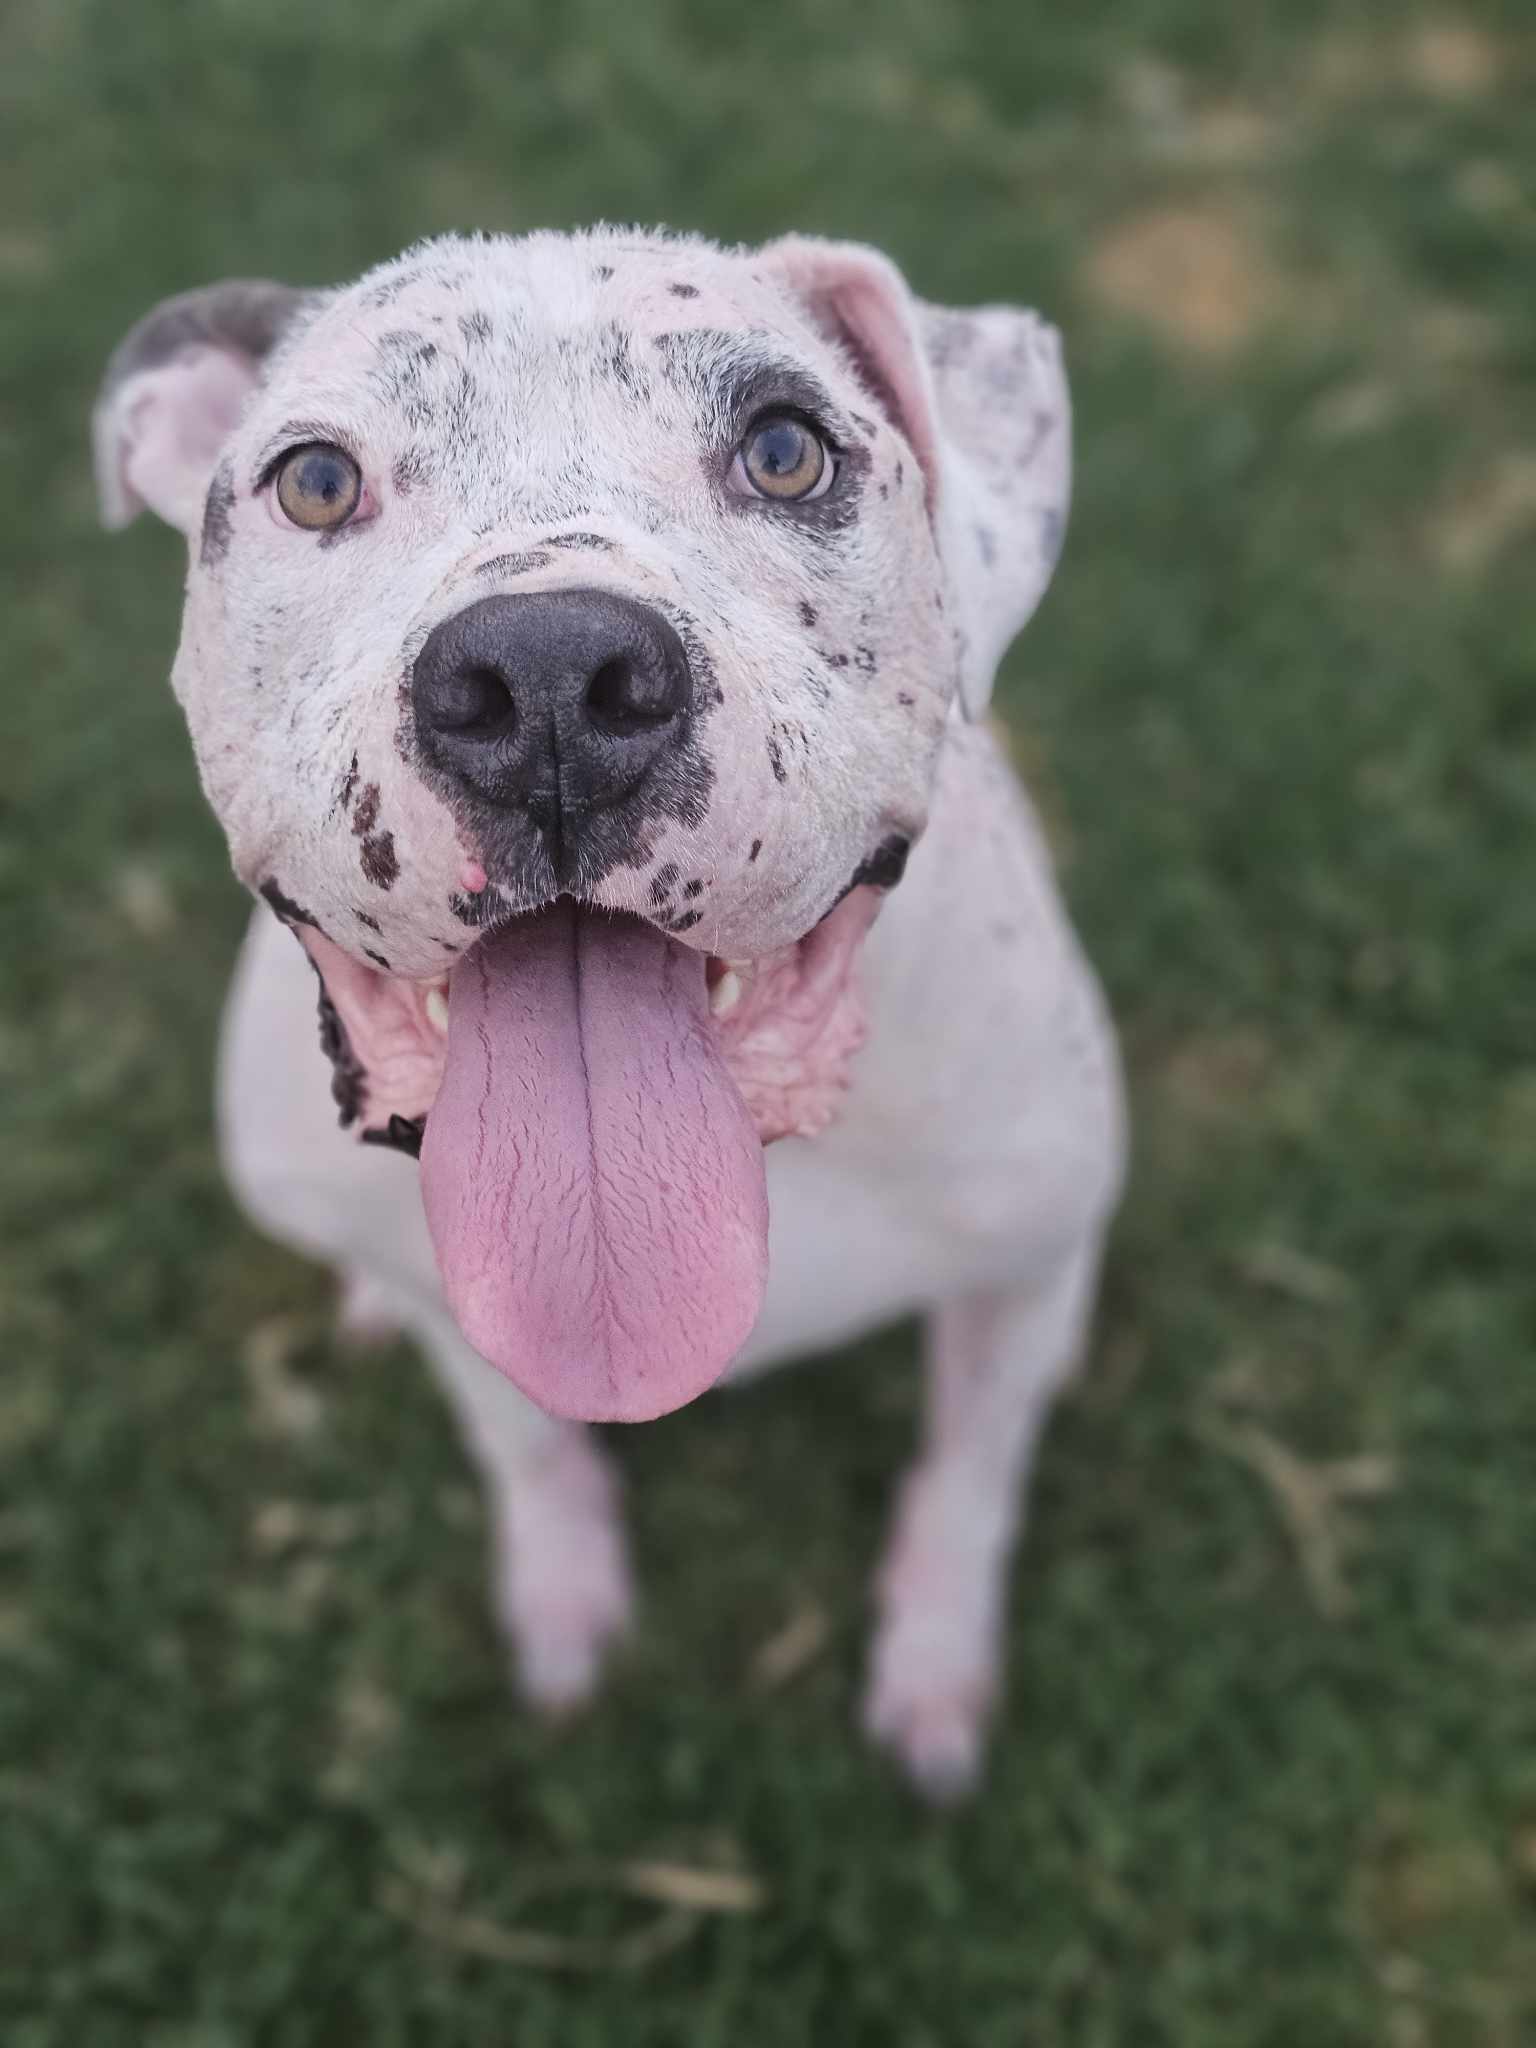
(437, 1010)
(726, 993)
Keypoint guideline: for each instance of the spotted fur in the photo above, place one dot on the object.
(559, 411)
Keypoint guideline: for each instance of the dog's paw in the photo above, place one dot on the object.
(564, 1591)
(934, 1669)
(563, 1639)
(928, 1704)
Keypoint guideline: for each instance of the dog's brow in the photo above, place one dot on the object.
(778, 381)
(294, 433)
(737, 375)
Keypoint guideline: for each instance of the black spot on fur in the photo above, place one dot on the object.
(475, 327)
(287, 910)
(406, 342)
(807, 613)
(399, 373)
(950, 337)
(381, 864)
(864, 658)
(757, 847)
(389, 289)
(905, 697)
(663, 882)
(1040, 426)
(363, 918)
(776, 760)
(885, 490)
(599, 541)
(410, 469)
(401, 1134)
(692, 889)
(602, 272)
(464, 403)
(683, 291)
(686, 922)
(377, 849)
(217, 507)
(340, 536)
(901, 470)
(515, 565)
(377, 958)
(347, 786)
(616, 360)
(864, 426)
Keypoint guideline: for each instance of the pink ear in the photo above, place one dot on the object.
(859, 300)
(172, 394)
(159, 437)
(982, 398)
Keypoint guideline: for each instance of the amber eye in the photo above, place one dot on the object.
(785, 458)
(318, 486)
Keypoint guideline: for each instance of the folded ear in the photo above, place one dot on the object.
(173, 391)
(981, 397)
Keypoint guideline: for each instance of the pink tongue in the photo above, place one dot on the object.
(592, 1178)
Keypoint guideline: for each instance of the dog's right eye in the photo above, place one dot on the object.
(318, 487)
(784, 458)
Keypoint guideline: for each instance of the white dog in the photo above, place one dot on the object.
(580, 632)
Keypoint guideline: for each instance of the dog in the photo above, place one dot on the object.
(586, 650)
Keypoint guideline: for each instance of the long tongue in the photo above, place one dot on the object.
(592, 1178)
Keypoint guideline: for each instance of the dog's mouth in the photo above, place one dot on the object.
(590, 1101)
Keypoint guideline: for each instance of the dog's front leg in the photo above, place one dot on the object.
(995, 1363)
(560, 1565)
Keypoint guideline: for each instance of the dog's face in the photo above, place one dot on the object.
(615, 572)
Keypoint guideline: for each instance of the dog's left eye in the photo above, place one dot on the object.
(783, 457)
(319, 486)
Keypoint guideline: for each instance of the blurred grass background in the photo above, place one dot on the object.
(1267, 1773)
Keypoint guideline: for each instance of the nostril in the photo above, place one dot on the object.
(620, 701)
(473, 701)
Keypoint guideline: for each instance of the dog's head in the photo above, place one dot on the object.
(571, 628)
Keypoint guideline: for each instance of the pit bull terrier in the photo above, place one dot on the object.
(586, 645)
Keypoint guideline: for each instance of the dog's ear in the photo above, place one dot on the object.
(981, 397)
(173, 391)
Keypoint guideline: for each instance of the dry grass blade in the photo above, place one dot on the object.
(687, 1893)
(282, 1405)
(790, 1649)
(533, 1948)
(1287, 1271)
(697, 1890)
(1309, 1497)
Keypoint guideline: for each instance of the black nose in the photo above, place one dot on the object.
(560, 701)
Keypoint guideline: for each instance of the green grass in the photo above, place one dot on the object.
(1281, 711)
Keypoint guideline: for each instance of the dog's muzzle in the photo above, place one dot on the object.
(556, 703)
